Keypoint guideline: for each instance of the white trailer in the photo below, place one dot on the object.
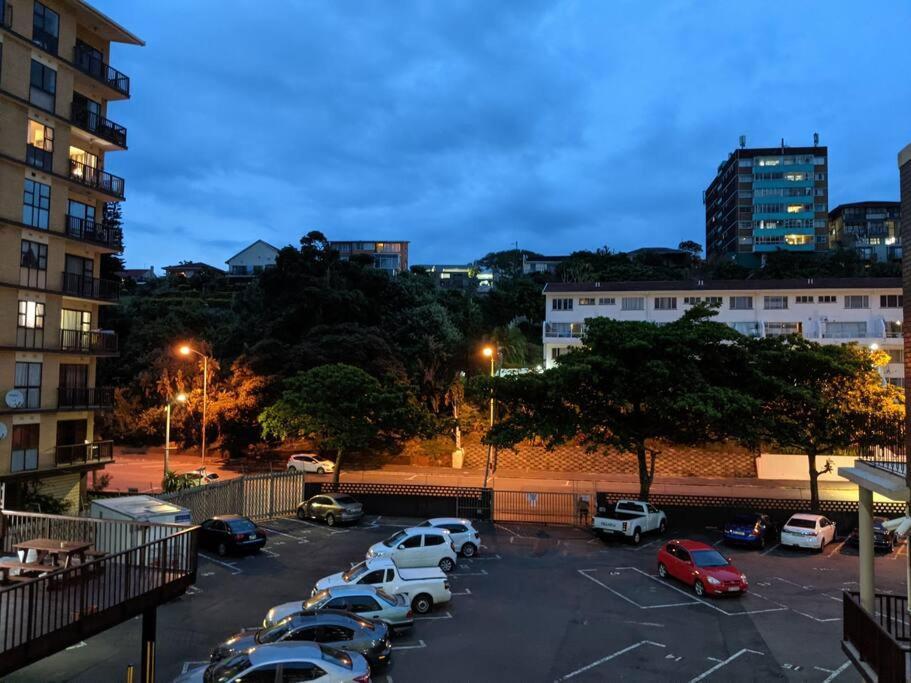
(137, 509)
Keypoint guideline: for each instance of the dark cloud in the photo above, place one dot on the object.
(467, 126)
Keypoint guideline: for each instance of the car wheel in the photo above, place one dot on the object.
(422, 603)
(330, 519)
(320, 470)
(662, 570)
(222, 549)
(637, 536)
(699, 588)
(292, 469)
(469, 550)
(301, 514)
(447, 565)
(662, 527)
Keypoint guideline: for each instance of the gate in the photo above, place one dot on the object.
(540, 508)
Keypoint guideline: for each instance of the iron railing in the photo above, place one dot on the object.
(85, 397)
(86, 286)
(84, 453)
(88, 230)
(98, 125)
(878, 641)
(39, 157)
(96, 178)
(95, 341)
(87, 61)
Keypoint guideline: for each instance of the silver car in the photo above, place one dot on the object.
(365, 601)
(332, 508)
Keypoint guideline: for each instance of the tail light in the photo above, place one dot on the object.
(362, 679)
(756, 530)
(239, 537)
(410, 614)
(446, 585)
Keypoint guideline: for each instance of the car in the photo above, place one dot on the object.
(332, 508)
(310, 462)
(631, 519)
(805, 530)
(702, 567)
(200, 477)
(464, 536)
(883, 538)
(288, 661)
(418, 547)
(341, 630)
(749, 528)
(231, 534)
(365, 601)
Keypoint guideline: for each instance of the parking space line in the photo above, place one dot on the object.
(610, 657)
(233, 567)
(461, 574)
(467, 591)
(725, 663)
(282, 533)
(419, 646)
(835, 549)
(506, 529)
(766, 552)
(647, 545)
(445, 615)
(837, 671)
(808, 587)
(630, 600)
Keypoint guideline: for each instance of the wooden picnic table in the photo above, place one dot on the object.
(48, 547)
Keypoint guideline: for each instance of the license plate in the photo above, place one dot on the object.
(733, 589)
(252, 537)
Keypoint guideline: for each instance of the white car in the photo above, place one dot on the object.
(295, 661)
(808, 531)
(465, 538)
(308, 462)
(200, 477)
(418, 547)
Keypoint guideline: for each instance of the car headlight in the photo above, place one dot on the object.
(714, 581)
(743, 577)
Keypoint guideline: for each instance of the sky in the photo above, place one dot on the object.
(466, 127)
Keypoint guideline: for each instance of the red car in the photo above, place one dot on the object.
(702, 567)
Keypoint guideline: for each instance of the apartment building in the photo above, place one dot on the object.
(390, 257)
(767, 199)
(830, 311)
(55, 136)
(872, 229)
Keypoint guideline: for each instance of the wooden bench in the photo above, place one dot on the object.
(24, 568)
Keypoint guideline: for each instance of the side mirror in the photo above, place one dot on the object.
(402, 546)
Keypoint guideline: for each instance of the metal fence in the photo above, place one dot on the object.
(538, 508)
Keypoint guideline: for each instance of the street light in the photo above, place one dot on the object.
(489, 352)
(179, 398)
(186, 350)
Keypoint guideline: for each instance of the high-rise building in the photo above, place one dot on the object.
(766, 199)
(872, 229)
(55, 134)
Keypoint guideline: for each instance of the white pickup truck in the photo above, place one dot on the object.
(423, 586)
(630, 518)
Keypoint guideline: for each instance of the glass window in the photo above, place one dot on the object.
(31, 315)
(300, 672)
(750, 328)
(412, 542)
(891, 301)
(363, 603)
(36, 204)
(841, 330)
(827, 299)
(741, 303)
(335, 634)
(782, 329)
(775, 303)
(39, 145)
(857, 301)
(33, 255)
(586, 301)
(895, 355)
(45, 28)
(375, 576)
(803, 299)
(28, 381)
(261, 674)
(562, 304)
(607, 301)
(433, 540)
(665, 303)
(632, 303)
(42, 86)
(25, 447)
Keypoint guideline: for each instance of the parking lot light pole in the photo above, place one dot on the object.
(179, 398)
(489, 352)
(186, 350)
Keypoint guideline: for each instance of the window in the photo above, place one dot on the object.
(803, 299)
(893, 329)
(741, 303)
(430, 540)
(749, 329)
(665, 303)
(335, 634)
(556, 352)
(891, 301)
(45, 28)
(857, 301)
(25, 447)
(31, 315)
(42, 86)
(36, 204)
(632, 303)
(261, 674)
(896, 356)
(896, 382)
(782, 329)
(28, 381)
(33, 255)
(412, 542)
(562, 305)
(39, 147)
(586, 301)
(775, 303)
(827, 299)
(363, 603)
(852, 330)
(81, 219)
(714, 301)
(607, 301)
(300, 672)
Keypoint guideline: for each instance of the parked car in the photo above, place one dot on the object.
(332, 508)
(630, 518)
(424, 587)
(464, 536)
(883, 538)
(200, 477)
(750, 528)
(290, 661)
(231, 534)
(310, 462)
(366, 601)
(805, 530)
(418, 547)
(341, 630)
(702, 567)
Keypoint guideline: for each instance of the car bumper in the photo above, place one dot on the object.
(255, 544)
(737, 589)
(350, 516)
(812, 542)
(742, 537)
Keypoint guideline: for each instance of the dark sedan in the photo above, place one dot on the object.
(883, 539)
(335, 628)
(750, 528)
(231, 534)
(332, 508)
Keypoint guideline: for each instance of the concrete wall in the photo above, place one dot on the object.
(795, 467)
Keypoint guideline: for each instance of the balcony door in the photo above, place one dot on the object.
(33, 264)
(75, 329)
(86, 112)
(72, 435)
(79, 276)
(73, 384)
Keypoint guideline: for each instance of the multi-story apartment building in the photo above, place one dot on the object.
(391, 257)
(863, 310)
(55, 134)
(873, 229)
(766, 199)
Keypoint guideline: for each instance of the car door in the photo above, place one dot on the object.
(374, 578)
(653, 516)
(366, 606)
(217, 533)
(301, 672)
(434, 549)
(309, 465)
(458, 532)
(266, 673)
(336, 636)
(684, 566)
(672, 559)
(409, 551)
(205, 533)
(307, 634)
(828, 529)
(317, 506)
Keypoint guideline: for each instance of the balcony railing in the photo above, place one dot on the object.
(88, 63)
(96, 178)
(878, 642)
(84, 453)
(39, 158)
(567, 330)
(90, 231)
(95, 341)
(74, 284)
(85, 397)
(98, 125)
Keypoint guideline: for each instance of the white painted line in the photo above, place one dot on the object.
(718, 542)
(208, 574)
(647, 545)
(837, 671)
(835, 549)
(766, 552)
(270, 553)
(282, 533)
(807, 587)
(445, 615)
(713, 659)
(651, 624)
(78, 645)
(816, 619)
(413, 476)
(486, 557)
(609, 657)
(420, 645)
(192, 665)
(819, 668)
(507, 530)
(467, 591)
(461, 574)
(302, 521)
(724, 663)
(233, 567)
(630, 600)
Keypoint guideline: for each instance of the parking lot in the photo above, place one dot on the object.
(538, 604)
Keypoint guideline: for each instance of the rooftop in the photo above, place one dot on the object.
(723, 285)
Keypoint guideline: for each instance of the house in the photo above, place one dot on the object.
(140, 276)
(252, 260)
(464, 277)
(190, 269)
(541, 264)
(390, 257)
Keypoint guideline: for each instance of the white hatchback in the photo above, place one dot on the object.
(418, 547)
(308, 462)
(805, 530)
(465, 537)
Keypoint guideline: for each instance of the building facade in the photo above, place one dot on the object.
(390, 257)
(460, 277)
(872, 229)
(55, 135)
(252, 260)
(541, 264)
(767, 199)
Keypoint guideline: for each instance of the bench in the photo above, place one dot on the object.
(24, 568)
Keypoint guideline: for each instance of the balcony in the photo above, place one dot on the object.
(564, 330)
(97, 179)
(74, 284)
(74, 398)
(877, 644)
(88, 63)
(98, 125)
(88, 230)
(84, 453)
(38, 158)
(100, 342)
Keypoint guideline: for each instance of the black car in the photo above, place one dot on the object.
(883, 539)
(749, 528)
(231, 534)
(335, 628)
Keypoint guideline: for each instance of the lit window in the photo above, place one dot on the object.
(586, 301)
(857, 301)
(665, 303)
(632, 303)
(31, 315)
(775, 303)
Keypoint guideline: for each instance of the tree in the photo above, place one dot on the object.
(824, 398)
(692, 247)
(344, 409)
(112, 224)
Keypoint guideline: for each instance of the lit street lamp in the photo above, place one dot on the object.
(186, 351)
(179, 398)
(489, 352)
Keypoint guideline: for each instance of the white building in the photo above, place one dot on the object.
(826, 310)
(252, 260)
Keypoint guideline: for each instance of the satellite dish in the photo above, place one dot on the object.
(2, 431)
(15, 398)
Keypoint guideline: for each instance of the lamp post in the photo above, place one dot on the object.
(489, 352)
(186, 350)
(179, 398)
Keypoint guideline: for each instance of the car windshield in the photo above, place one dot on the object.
(745, 519)
(316, 600)
(276, 632)
(241, 526)
(355, 572)
(330, 654)
(220, 672)
(395, 538)
(345, 500)
(385, 596)
(802, 523)
(709, 558)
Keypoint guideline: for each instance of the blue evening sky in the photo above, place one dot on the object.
(467, 126)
